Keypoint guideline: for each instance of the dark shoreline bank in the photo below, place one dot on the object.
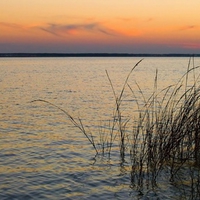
(94, 55)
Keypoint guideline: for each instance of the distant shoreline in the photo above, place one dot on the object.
(94, 55)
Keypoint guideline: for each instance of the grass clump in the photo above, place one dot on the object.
(165, 133)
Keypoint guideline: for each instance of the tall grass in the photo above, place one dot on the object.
(165, 134)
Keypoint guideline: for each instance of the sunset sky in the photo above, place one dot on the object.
(100, 26)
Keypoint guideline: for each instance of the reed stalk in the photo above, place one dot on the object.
(165, 134)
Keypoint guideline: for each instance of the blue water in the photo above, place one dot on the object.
(42, 155)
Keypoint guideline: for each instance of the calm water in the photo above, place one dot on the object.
(42, 156)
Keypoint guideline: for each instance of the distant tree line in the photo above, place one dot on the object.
(94, 55)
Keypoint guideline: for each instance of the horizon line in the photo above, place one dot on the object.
(99, 55)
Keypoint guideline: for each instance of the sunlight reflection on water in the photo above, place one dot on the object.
(42, 156)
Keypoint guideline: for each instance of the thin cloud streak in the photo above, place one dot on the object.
(11, 25)
(190, 27)
(59, 30)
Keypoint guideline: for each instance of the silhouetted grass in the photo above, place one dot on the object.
(165, 134)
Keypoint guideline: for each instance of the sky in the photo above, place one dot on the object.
(99, 26)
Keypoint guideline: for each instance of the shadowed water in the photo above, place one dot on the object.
(42, 155)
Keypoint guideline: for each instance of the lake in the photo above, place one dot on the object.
(43, 155)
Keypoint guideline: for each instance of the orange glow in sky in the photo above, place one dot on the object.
(100, 26)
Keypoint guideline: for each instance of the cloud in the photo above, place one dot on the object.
(60, 30)
(63, 29)
(191, 45)
(19, 27)
(189, 27)
(10, 25)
